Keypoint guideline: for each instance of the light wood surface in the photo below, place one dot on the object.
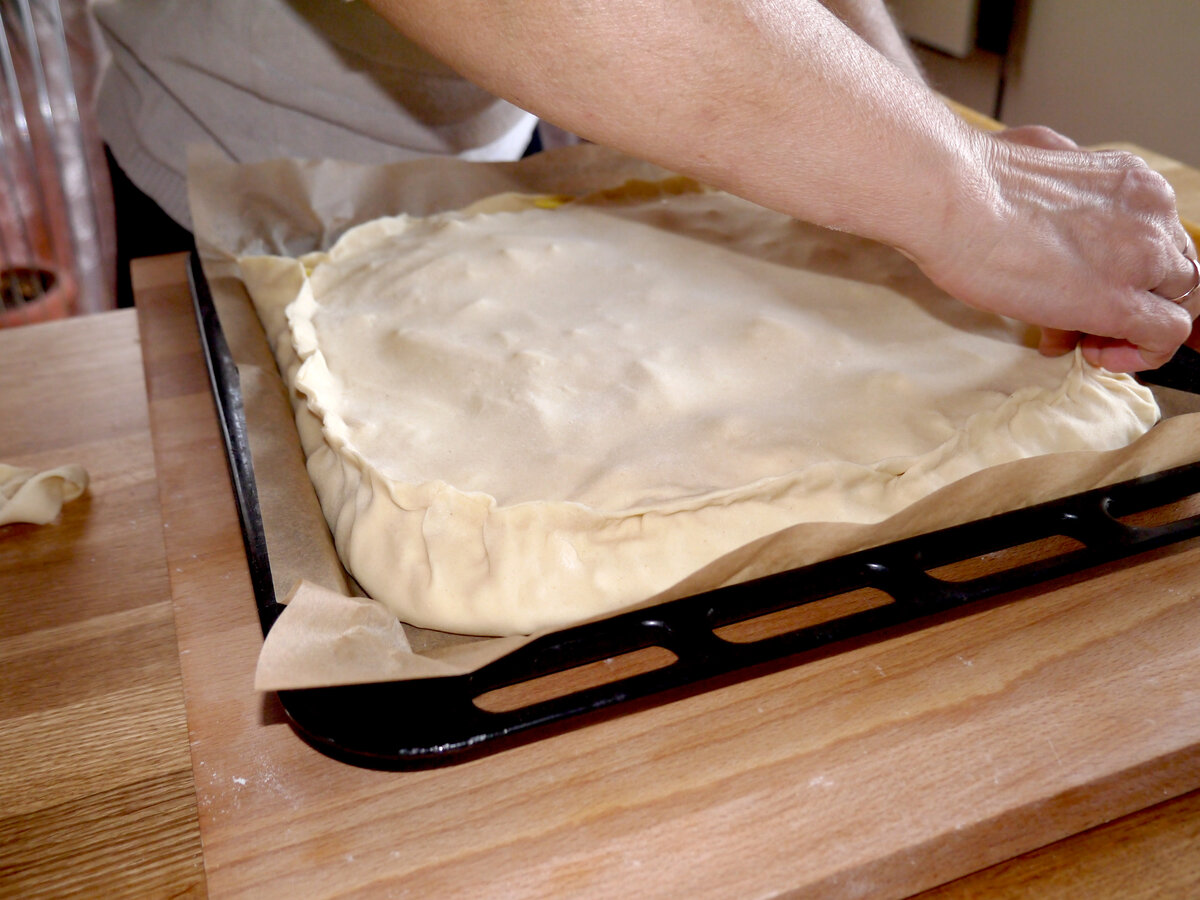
(880, 772)
(1047, 746)
(1150, 854)
(96, 793)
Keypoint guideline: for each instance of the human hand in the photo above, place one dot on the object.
(1086, 245)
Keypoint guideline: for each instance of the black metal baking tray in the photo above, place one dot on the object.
(437, 721)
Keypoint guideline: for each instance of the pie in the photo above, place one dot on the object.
(531, 412)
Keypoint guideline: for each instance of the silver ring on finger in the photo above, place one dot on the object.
(1192, 289)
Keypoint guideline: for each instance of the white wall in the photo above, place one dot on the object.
(1111, 70)
(948, 25)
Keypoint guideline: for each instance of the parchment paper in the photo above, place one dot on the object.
(330, 634)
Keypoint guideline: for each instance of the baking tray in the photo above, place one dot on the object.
(879, 592)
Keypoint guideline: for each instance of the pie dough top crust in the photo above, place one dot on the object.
(518, 419)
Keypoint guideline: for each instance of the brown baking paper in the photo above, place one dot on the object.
(330, 634)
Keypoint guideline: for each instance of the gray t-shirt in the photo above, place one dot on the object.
(262, 79)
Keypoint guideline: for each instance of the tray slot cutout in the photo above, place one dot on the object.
(575, 679)
(1157, 516)
(804, 615)
(1005, 559)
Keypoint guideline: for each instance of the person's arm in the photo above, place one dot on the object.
(782, 103)
(872, 21)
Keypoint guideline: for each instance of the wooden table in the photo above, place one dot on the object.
(95, 775)
(884, 771)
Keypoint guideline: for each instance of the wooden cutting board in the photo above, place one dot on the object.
(878, 772)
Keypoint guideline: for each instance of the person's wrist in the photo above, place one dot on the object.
(952, 206)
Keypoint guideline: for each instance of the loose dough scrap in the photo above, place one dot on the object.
(517, 419)
(37, 497)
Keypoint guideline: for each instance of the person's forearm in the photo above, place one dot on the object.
(872, 21)
(778, 102)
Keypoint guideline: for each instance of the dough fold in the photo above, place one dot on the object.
(527, 414)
